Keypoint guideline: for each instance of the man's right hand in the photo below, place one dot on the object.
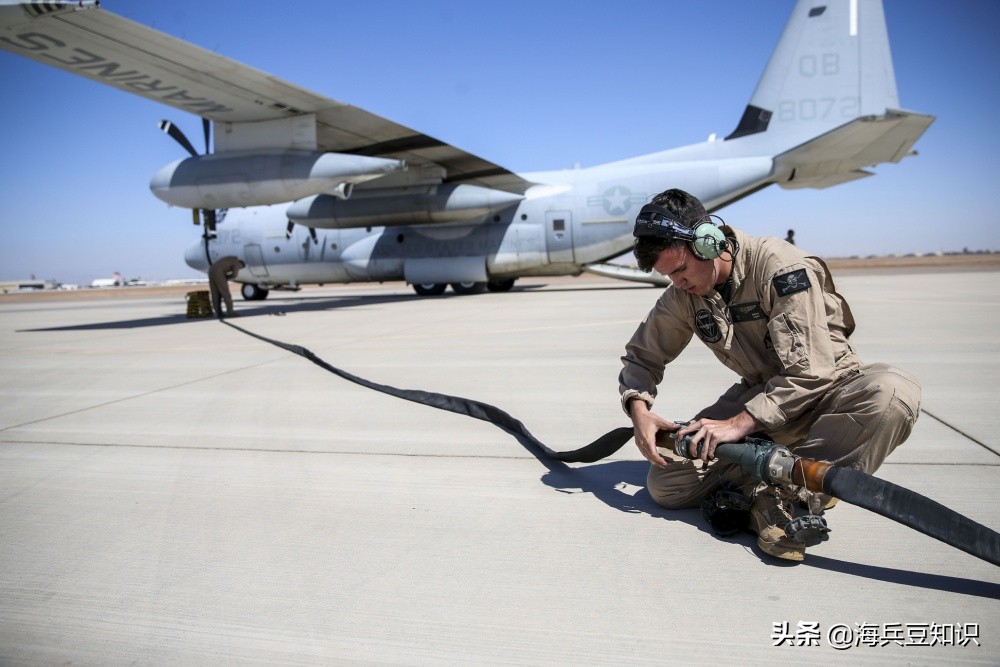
(646, 425)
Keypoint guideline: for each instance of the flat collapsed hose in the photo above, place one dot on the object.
(852, 486)
(914, 510)
(605, 446)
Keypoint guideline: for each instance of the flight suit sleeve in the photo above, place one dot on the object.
(656, 342)
(232, 267)
(799, 331)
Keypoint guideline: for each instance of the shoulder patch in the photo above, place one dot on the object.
(792, 282)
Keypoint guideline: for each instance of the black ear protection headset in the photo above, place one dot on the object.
(705, 239)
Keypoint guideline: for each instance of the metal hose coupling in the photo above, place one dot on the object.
(761, 459)
(757, 457)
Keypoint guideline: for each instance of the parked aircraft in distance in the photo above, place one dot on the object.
(115, 281)
(305, 189)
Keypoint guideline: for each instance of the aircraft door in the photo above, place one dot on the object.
(255, 260)
(559, 236)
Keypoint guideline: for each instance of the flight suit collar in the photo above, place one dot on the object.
(741, 256)
(736, 275)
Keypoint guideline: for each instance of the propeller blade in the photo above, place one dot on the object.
(206, 127)
(178, 136)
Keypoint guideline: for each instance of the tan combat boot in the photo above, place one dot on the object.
(769, 516)
(815, 503)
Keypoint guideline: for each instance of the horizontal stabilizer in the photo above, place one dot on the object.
(627, 273)
(840, 155)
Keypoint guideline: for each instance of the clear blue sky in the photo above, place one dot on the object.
(527, 85)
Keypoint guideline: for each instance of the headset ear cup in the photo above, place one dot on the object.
(709, 241)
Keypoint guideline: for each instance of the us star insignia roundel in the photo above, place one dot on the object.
(707, 327)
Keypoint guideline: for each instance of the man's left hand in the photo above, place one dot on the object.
(707, 434)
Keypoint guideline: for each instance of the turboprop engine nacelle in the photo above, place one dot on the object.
(244, 178)
(381, 207)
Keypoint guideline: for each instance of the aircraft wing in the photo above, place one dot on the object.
(840, 155)
(82, 38)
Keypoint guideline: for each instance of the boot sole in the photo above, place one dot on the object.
(783, 553)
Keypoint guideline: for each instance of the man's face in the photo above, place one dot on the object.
(687, 272)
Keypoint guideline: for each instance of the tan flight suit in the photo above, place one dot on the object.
(219, 274)
(785, 331)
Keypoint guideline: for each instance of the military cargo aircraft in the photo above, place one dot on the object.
(309, 190)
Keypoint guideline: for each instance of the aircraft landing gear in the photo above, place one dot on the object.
(468, 288)
(435, 289)
(500, 285)
(429, 289)
(253, 292)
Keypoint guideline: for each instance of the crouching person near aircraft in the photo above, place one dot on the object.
(219, 274)
(770, 313)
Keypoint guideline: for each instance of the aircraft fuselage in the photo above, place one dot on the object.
(572, 218)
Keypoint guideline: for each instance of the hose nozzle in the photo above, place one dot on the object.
(757, 457)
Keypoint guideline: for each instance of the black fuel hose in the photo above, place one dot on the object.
(859, 488)
(913, 510)
(852, 486)
(605, 446)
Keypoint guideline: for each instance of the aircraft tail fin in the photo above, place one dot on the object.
(831, 65)
(827, 104)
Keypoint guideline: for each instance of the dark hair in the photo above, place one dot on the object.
(683, 206)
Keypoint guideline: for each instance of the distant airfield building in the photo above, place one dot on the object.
(29, 285)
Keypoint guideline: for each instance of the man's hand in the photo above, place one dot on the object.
(646, 424)
(706, 434)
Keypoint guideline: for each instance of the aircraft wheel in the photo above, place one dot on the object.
(429, 289)
(468, 288)
(253, 293)
(500, 285)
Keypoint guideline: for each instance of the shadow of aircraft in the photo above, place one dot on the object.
(281, 307)
(286, 305)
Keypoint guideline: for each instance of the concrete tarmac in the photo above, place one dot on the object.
(175, 492)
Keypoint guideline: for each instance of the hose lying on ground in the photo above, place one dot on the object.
(765, 460)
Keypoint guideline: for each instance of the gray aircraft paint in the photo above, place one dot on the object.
(825, 108)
